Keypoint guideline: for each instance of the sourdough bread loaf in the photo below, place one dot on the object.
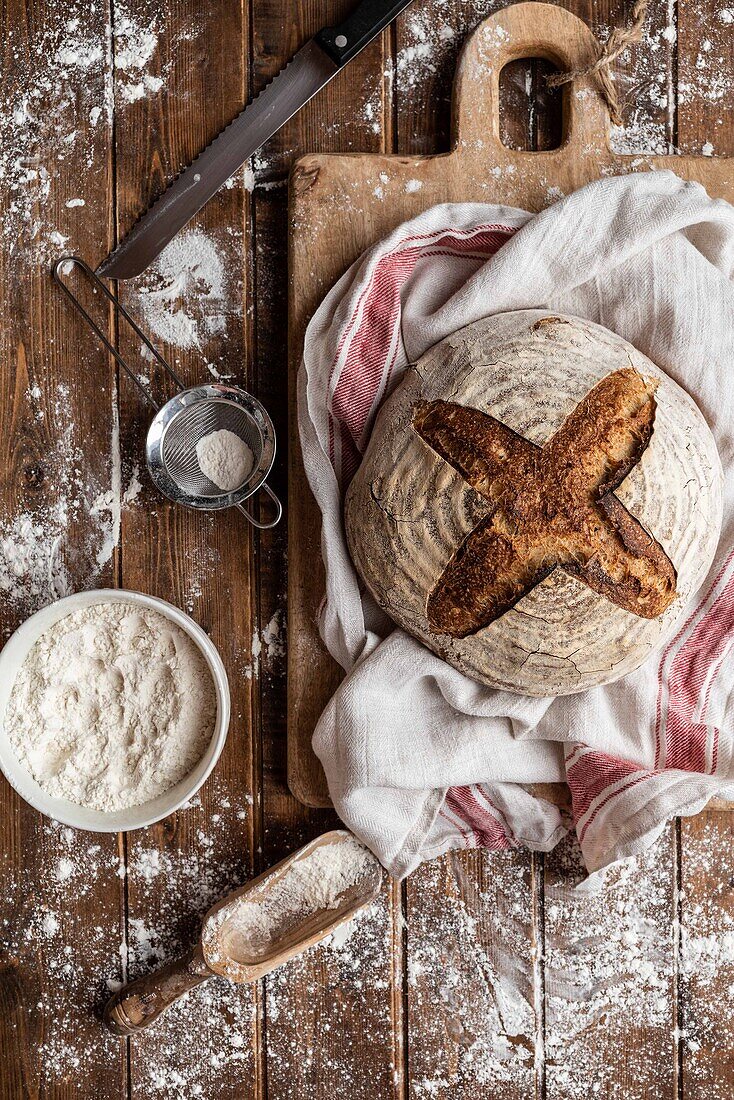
(537, 503)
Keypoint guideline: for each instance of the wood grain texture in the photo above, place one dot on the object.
(703, 118)
(326, 191)
(473, 977)
(203, 562)
(609, 968)
(55, 448)
(471, 919)
(706, 956)
(601, 1037)
(704, 122)
(470, 916)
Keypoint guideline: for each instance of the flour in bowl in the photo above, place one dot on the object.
(113, 706)
(225, 459)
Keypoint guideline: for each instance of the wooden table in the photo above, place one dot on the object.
(483, 975)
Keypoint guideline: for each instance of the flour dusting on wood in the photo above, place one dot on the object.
(84, 955)
(471, 964)
(611, 954)
(184, 297)
(135, 54)
(268, 644)
(330, 1008)
(71, 78)
(40, 549)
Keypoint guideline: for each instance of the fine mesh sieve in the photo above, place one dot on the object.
(170, 448)
(192, 425)
(193, 413)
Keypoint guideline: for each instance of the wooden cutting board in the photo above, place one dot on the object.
(342, 204)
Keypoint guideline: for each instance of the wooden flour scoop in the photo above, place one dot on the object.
(275, 916)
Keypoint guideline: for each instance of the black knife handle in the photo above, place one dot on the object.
(344, 42)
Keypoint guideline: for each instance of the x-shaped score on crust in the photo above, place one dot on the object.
(549, 507)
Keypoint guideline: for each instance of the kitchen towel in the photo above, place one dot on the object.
(418, 757)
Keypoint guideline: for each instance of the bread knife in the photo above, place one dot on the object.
(315, 64)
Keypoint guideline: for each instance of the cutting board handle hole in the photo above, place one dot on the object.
(530, 113)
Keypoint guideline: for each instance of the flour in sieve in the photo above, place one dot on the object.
(225, 459)
(112, 707)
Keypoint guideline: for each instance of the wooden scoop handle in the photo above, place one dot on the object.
(140, 1003)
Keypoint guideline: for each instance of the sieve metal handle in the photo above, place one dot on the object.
(278, 510)
(63, 267)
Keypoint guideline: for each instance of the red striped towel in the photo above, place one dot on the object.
(419, 758)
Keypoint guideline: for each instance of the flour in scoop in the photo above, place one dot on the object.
(225, 459)
(113, 706)
(251, 926)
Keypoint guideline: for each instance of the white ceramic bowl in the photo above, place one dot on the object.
(98, 821)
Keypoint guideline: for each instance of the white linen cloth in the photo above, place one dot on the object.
(418, 757)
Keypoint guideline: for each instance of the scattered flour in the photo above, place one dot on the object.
(460, 1023)
(135, 47)
(32, 569)
(69, 75)
(112, 707)
(71, 952)
(609, 968)
(184, 295)
(64, 870)
(473, 970)
(204, 563)
(225, 459)
(272, 639)
(50, 924)
(38, 554)
(272, 636)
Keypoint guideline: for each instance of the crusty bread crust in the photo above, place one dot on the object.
(551, 507)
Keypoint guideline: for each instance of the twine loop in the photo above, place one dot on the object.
(617, 43)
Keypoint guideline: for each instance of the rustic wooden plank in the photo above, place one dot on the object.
(705, 1019)
(644, 76)
(704, 124)
(348, 182)
(332, 1018)
(529, 119)
(705, 85)
(192, 301)
(62, 897)
(610, 964)
(472, 977)
(288, 825)
(429, 37)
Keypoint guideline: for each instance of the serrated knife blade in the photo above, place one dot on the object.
(315, 64)
(294, 85)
